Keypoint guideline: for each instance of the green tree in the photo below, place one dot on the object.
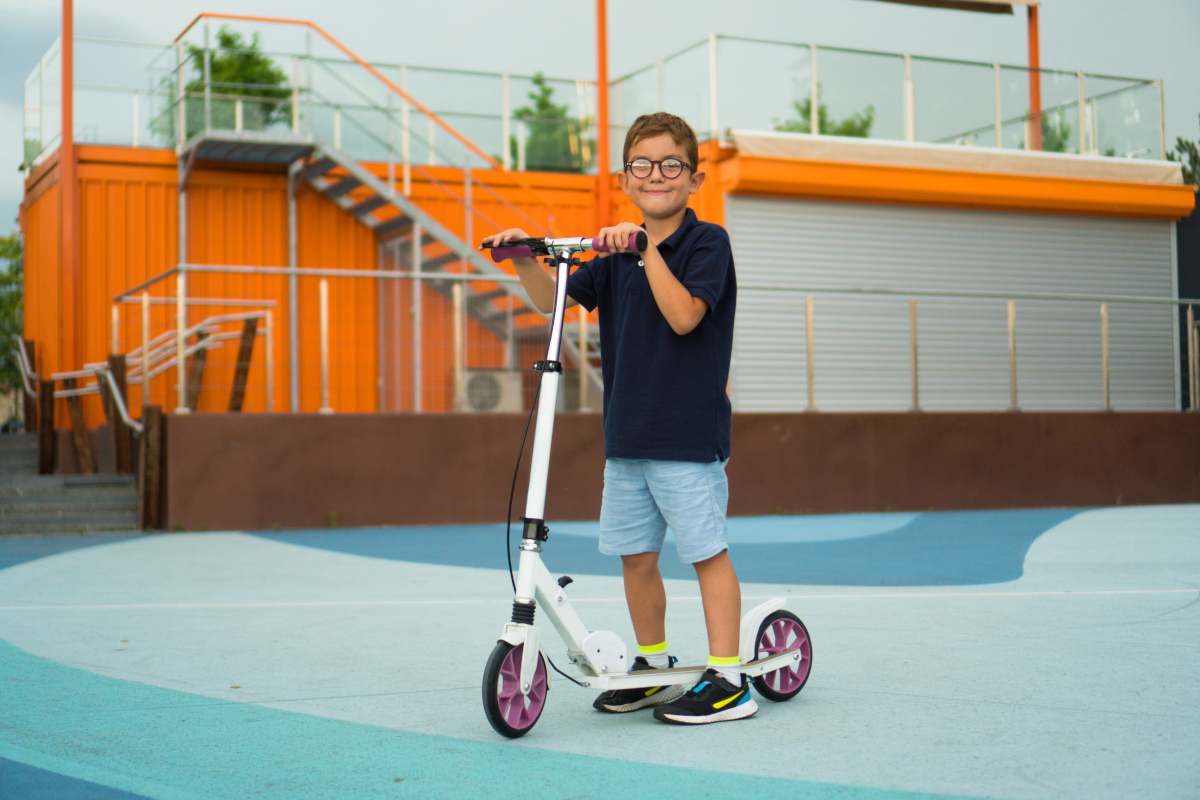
(857, 125)
(239, 70)
(1188, 153)
(12, 304)
(555, 143)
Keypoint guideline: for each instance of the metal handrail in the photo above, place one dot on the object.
(26, 371)
(1089, 298)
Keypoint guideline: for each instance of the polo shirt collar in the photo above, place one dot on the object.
(675, 239)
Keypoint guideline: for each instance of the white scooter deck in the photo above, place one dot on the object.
(644, 679)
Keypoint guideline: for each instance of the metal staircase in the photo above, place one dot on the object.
(389, 214)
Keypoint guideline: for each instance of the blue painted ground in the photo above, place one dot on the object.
(948, 548)
(101, 731)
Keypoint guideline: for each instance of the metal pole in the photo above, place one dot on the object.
(145, 351)
(1104, 353)
(391, 162)
(583, 359)
(457, 294)
(308, 115)
(912, 335)
(180, 99)
(520, 145)
(181, 341)
(237, 115)
(380, 333)
(713, 119)
(116, 329)
(337, 128)
(506, 111)
(999, 113)
(910, 110)
(325, 409)
(418, 289)
(1193, 403)
(1082, 116)
(658, 84)
(405, 155)
(136, 130)
(207, 82)
(1012, 355)
(808, 342)
(1162, 121)
(270, 362)
(295, 95)
(814, 117)
(293, 291)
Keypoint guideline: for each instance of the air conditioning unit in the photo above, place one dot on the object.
(493, 390)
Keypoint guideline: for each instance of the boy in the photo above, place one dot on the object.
(666, 334)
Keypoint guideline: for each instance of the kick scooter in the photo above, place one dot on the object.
(774, 645)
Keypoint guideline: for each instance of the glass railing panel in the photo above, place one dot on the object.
(954, 102)
(759, 83)
(861, 94)
(685, 88)
(1014, 106)
(1060, 112)
(1128, 122)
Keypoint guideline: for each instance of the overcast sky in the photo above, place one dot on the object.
(1149, 39)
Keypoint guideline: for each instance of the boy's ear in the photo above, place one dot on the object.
(697, 181)
(623, 181)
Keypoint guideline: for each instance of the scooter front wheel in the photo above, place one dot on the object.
(779, 632)
(511, 713)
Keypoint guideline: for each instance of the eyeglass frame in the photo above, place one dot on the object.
(653, 164)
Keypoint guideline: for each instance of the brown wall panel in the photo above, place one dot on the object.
(255, 471)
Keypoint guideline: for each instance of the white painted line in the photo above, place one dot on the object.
(506, 600)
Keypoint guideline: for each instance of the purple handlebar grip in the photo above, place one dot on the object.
(501, 253)
(633, 243)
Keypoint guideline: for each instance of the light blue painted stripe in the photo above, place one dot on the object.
(176, 746)
(783, 529)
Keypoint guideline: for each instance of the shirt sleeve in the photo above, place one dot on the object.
(583, 286)
(707, 267)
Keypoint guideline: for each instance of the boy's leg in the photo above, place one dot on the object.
(647, 598)
(722, 596)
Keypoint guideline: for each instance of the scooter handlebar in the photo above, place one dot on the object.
(530, 248)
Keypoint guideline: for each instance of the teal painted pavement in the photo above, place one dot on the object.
(176, 746)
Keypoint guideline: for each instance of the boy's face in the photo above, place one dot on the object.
(655, 196)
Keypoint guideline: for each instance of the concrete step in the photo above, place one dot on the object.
(55, 506)
(108, 522)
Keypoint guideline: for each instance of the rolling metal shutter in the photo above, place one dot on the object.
(861, 342)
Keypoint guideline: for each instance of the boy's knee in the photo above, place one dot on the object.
(640, 563)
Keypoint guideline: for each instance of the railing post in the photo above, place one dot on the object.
(713, 118)
(910, 109)
(293, 284)
(47, 436)
(145, 350)
(337, 128)
(459, 393)
(1193, 378)
(999, 111)
(808, 343)
(505, 112)
(207, 81)
(238, 123)
(295, 95)
(1162, 121)
(391, 156)
(325, 408)
(416, 316)
(1082, 116)
(241, 372)
(1012, 356)
(1104, 353)
(814, 116)
(270, 344)
(122, 460)
(150, 469)
(405, 153)
(116, 329)
(912, 335)
(658, 84)
(181, 401)
(180, 98)
(79, 433)
(136, 126)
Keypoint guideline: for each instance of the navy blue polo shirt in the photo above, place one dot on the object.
(664, 394)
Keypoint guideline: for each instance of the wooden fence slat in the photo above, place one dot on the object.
(242, 373)
(196, 374)
(150, 470)
(47, 438)
(122, 457)
(83, 449)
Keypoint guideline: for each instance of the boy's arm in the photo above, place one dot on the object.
(682, 310)
(538, 283)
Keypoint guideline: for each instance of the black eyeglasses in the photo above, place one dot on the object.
(643, 167)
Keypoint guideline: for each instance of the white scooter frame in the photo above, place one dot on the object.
(601, 656)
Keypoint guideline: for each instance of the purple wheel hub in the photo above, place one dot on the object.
(520, 710)
(780, 635)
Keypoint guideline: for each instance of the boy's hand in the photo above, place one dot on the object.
(616, 238)
(510, 235)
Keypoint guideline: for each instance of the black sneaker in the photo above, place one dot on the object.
(619, 701)
(713, 699)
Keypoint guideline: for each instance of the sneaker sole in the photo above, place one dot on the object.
(747, 709)
(668, 694)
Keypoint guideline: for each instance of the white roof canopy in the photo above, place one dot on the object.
(984, 6)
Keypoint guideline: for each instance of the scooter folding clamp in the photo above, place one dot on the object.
(535, 529)
(548, 366)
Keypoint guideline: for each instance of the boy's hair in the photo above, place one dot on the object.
(647, 126)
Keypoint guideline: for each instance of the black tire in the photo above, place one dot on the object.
(496, 698)
(779, 685)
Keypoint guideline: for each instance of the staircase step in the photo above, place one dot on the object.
(124, 521)
(361, 209)
(318, 168)
(342, 187)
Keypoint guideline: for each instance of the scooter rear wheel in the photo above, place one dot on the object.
(782, 631)
(511, 713)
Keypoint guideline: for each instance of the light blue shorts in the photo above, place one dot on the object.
(642, 497)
